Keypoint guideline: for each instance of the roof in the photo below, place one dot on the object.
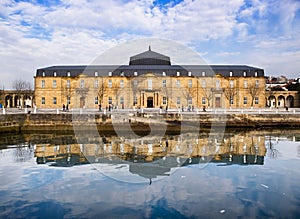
(149, 58)
(150, 62)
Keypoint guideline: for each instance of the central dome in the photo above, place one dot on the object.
(149, 58)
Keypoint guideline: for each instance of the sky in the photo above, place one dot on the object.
(41, 33)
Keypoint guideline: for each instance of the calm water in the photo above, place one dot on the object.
(245, 174)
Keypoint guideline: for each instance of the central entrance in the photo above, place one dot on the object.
(150, 102)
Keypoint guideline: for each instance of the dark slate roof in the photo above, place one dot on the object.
(149, 58)
(150, 62)
(170, 70)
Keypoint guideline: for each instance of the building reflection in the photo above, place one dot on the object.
(152, 157)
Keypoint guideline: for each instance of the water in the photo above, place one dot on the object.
(245, 174)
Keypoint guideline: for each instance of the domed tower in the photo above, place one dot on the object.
(149, 58)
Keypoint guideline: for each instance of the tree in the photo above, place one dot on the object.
(189, 92)
(166, 91)
(253, 90)
(22, 88)
(230, 93)
(102, 89)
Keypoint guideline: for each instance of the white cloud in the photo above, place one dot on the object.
(77, 31)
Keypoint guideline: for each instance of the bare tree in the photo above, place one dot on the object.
(208, 94)
(116, 89)
(166, 91)
(22, 88)
(253, 90)
(189, 92)
(230, 93)
(102, 89)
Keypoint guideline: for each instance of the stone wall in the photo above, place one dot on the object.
(174, 122)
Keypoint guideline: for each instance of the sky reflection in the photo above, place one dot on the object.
(195, 190)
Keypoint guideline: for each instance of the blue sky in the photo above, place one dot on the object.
(39, 33)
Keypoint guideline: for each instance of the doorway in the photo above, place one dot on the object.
(82, 102)
(150, 102)
(218, 102)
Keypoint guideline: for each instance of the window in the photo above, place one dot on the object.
(256, 83)
(96, 74)
(178, 83)
(190, 101)
(245, 84)
(245, 100)
(164, 100)
(149, 84)
(190, 83)
(43, 74)
(218, 85)
(256, 100)
(43, 100)
(122, 100)
(203, 83)
(178, 100)
(164, 83)
(203, 74)
(54, 100)
(163, 73)
(245, 74)
(54, 84)
(178, 74)
(135, 73)
(68, 83)
(231, 100)
(109, 83)
(68, 100)
(121, 83)
(68, 74)
(203, 100)
(54, 74)
(82, 84)
(110, 74)
(189, 73)
(231, 84)
(96, 100)
(230, 74)
(43, 83)
(96, 84)
(135, 100)
(135, 83)
(109, 100)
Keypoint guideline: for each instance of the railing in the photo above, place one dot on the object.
(155, 111)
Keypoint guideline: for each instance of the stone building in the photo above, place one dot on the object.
(150, 80)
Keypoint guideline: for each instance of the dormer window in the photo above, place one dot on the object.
(256, 74)
(203, 74)
(43, 74)
(122, 73)
(135, 73)
(189, 73)
(68, 74)
(230, 74)
(245, 74)
(163, 73)
(54, 74)
(96, 74)
(110, 74)
(178, 74)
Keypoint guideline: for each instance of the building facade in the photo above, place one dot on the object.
(150, 80)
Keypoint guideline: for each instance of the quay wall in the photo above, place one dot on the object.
(141, 123)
